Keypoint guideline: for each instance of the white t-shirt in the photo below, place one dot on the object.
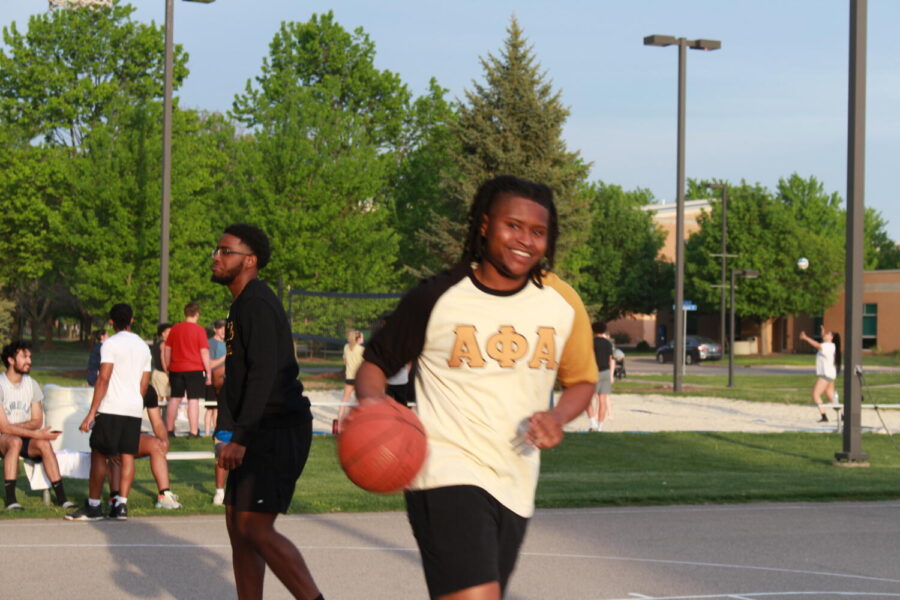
(16, 400)
(825, 361)
(130, 358)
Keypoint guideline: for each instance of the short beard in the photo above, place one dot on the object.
(24, 371)
(224, 279)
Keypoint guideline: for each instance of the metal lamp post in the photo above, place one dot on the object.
(746, 274)
(167, 161)
(683, 44)
(852, 452)
(724, 256)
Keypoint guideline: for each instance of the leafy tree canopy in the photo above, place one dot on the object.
(510, 124)
(620, 271)
(72, 67)
(769, 232)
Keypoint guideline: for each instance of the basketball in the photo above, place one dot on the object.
(382, 447)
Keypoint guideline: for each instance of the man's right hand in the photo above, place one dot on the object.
(46, 434)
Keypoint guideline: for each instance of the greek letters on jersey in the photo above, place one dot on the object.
(507, 346)
(486, 361)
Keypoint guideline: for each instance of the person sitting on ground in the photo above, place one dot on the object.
(828, 359)
(22, 431)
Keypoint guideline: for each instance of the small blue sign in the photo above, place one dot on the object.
(687, 305)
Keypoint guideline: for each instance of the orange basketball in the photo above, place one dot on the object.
(382, 447)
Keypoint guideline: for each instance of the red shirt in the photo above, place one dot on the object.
(186, 339)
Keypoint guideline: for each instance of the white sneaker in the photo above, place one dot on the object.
(219, 498)
(168, 501)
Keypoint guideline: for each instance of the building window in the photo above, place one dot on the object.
(870, 325)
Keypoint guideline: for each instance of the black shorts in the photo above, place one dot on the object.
(210, 397)
(398, 393)
(116, 434)
(274, 460)
(24, 451)
(191, 382)
(465, 537)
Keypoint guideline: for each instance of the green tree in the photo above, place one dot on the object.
(326, 125)
(881, 252)
(511, 124)
(32, 183)
(769, 232)
(73, 68)
(425, 163)
(621, 273)
(107, 236)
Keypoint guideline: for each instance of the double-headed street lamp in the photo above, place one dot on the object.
(746, 274)
(167, 161)
(683, 44)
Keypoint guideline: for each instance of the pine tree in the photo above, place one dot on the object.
(512, 124)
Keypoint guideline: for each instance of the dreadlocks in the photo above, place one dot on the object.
(487, 194)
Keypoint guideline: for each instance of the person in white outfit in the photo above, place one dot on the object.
(827, 360)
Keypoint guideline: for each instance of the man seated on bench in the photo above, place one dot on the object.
(22, 431)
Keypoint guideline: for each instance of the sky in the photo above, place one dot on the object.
(772, 102)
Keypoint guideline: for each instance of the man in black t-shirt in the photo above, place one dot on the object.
(271, 422)
(598, 410)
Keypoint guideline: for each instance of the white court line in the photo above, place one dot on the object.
(709, 564)
(549, 512)
(746, 596)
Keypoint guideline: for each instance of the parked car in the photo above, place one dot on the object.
(697, 348)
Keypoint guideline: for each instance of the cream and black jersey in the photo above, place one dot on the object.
(486, 361)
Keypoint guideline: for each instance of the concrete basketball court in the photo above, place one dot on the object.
(736, 552)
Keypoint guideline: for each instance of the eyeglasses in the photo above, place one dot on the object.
(227, 252)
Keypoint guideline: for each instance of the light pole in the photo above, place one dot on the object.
(167, 161)
(724, 256)
(683, 44)
(853, 277)
(746, 274)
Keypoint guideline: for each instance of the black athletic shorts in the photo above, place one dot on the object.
(210, 397)
(398, 393)
(116, 434)
(191, 382)
(465, 537)
(274, 460)
(24, 451)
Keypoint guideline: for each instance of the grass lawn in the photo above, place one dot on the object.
(790, 389)
(607, 469)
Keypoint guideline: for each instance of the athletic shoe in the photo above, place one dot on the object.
(167, 500)
(823, 419)
(68, 504)
(86, 513)
(171, 434)
(15, 506)
(219, 498)
(120, 512)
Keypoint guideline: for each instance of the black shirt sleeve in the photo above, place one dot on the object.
(403, 336)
